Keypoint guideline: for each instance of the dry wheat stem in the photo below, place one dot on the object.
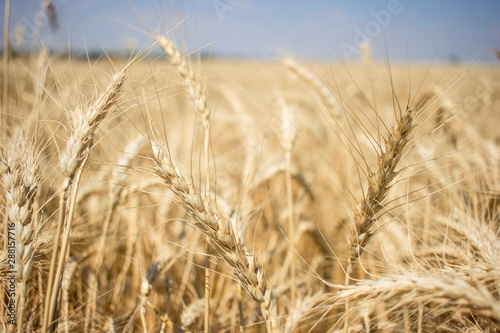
(66, 236)
(145, 290)
(128, 257)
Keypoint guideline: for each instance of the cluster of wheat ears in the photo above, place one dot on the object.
(236, 196)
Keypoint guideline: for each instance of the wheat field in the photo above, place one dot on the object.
(165, 193)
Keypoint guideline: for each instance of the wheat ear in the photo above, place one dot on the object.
(451, 291)
(194, 88)
(20, 179)
(379, 183)
(215, 225)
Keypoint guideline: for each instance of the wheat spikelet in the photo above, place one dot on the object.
(301, 311)
(146, 287)
(288, 129)
(441, 106)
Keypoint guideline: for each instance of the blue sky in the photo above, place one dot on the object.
(319, 29)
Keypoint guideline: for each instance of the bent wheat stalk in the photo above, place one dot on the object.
(85, 124)
(198, 96)
(401, 290)
(216, 226)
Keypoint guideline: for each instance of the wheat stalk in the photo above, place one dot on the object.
(84, 127)
(216, 225)
(198, 96)
(20, 178)
(379, 183)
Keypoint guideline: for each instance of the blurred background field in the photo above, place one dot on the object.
(349, 188)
